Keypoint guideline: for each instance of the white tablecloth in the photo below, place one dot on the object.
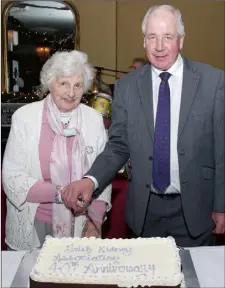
(10, 263)
(208, 262)
(209, 265)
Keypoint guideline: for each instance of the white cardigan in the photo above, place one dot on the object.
(21, 169)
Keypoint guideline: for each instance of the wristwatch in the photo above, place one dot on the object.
(58, 197)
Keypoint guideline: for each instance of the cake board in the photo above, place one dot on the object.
(22, 279)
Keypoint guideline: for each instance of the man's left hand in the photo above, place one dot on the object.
(219, 219)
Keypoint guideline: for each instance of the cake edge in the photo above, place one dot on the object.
(176, 279)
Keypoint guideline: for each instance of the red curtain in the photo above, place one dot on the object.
(115, 225)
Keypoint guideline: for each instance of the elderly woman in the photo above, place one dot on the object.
(53, 142)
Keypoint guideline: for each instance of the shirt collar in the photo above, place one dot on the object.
(172, 70)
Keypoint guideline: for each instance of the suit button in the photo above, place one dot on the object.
(129, 164)
(181, 151)
(150, 158)
(147, 186)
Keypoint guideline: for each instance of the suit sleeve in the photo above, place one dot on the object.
(116, 152)
(105, 196)
(218, 126)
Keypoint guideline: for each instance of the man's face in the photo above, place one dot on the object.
(161, 41)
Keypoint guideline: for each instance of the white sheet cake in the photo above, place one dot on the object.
(122, 262)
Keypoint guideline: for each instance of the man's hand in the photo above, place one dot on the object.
(78, 189)
(92, 229)
(219, 219)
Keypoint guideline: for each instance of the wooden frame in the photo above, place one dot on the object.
(4, 78)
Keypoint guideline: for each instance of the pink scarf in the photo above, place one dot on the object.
(63, 218)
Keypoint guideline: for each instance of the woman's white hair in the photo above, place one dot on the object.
(65, 64)
(174, 10)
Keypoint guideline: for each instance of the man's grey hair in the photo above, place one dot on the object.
(174, 10)
(65, 64)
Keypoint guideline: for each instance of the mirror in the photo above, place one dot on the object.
(33, 31)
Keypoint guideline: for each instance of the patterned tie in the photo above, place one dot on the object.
(161, 152)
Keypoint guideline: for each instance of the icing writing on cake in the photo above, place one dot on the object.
(77, 248)
(124, 251)
(70, 258)
(91, 268)
(104, 259)
(102, 249)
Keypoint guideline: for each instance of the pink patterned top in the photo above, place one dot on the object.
(43, 191)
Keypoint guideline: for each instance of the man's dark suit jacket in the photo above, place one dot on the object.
(200, 144)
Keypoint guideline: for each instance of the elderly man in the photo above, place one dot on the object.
(168, 117)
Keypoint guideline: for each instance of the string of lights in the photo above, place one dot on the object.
(58, 41)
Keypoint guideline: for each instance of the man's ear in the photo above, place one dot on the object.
(144, 43)
(181, 40)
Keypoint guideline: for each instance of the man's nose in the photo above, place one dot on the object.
(159, 45)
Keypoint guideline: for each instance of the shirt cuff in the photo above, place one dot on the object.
(93, 180)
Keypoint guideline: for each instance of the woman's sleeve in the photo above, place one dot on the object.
(16, 178)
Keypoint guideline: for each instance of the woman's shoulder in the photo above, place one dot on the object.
(29, 111)
(91, 114)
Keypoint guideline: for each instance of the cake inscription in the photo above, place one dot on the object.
(101, 259)
(63, 268)
(59, 258)
(78, 248)
(93, 269)
(125, 251)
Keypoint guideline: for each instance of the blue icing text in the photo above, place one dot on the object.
(123, 250)
(142, 269)
(98, 258)
(73, 248)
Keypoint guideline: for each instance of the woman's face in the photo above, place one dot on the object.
(67, 92)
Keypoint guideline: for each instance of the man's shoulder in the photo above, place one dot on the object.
(132, 76)
(205, 69)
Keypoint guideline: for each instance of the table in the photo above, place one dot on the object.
(208, 262)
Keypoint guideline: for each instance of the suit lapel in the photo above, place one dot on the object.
(189, 87)
(144, 83)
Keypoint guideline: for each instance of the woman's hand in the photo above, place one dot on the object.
(92, 229)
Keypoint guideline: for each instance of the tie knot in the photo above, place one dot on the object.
(165, 76)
